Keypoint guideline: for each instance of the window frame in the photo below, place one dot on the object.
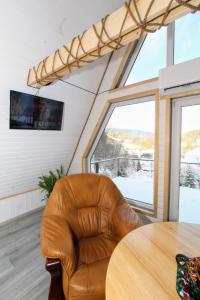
(170, 52)
(131, 60)
(139, 89)
(136, 50)
(168, 145)
(184, 100)
(145, 208)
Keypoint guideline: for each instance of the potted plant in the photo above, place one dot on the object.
(46, 183)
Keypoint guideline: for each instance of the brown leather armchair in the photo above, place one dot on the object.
(84, 219)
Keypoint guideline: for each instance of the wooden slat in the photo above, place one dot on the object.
(90, 41)
(143, 265)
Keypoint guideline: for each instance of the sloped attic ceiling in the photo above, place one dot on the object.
(29, 31)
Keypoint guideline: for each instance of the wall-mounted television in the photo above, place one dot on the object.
(34, 112)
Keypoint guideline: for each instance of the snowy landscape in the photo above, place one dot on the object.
(139, 187)
(127, 156)
(189, 205)
(142, 188)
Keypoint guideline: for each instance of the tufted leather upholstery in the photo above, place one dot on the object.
(84, 218)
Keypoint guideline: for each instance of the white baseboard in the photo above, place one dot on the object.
(15, 206)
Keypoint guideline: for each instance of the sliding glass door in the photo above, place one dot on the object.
(185, 160)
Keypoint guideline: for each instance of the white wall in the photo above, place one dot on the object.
(29, 31)
(100, 101)
(21, 204)
(176, 75)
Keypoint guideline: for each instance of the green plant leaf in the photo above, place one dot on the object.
(62, 170)
(47, 182)
(52, 175)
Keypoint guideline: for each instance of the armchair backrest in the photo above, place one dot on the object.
(89, 203)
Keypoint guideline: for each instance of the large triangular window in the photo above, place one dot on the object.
(149, 57)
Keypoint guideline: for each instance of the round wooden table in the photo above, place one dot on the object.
(143, 265)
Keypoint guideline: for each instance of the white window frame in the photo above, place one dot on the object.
(151, 209)
(177, 105)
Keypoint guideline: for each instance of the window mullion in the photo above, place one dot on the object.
(170, 44)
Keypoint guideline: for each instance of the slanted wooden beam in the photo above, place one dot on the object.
(114, 31)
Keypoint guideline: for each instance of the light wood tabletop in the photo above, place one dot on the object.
(143, 265)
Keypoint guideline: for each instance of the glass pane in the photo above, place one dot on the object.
(189, 199)
(187, 38)
(125, 151)
(151, 58)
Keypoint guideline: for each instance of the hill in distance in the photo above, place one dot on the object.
(138, 133)
(132, 140)
(190, 140)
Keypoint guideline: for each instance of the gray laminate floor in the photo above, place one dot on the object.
(22, 273)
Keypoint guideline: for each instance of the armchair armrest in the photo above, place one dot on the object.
(53, 266)
(125, 219)
(56, 242)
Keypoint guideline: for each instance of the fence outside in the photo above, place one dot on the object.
(146, 165)
(189, 171)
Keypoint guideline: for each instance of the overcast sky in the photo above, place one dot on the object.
(191, 118)
(140, 116)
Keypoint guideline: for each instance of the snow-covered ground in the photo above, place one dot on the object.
(189, 205)
(141, 188)
(138, 187)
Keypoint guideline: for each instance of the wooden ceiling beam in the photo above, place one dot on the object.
(120, 28)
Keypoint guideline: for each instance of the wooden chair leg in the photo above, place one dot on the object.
(54, 267)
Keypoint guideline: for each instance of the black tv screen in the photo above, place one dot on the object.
(34, 112)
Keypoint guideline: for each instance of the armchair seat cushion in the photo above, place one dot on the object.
(95, 248)
(88, 282)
